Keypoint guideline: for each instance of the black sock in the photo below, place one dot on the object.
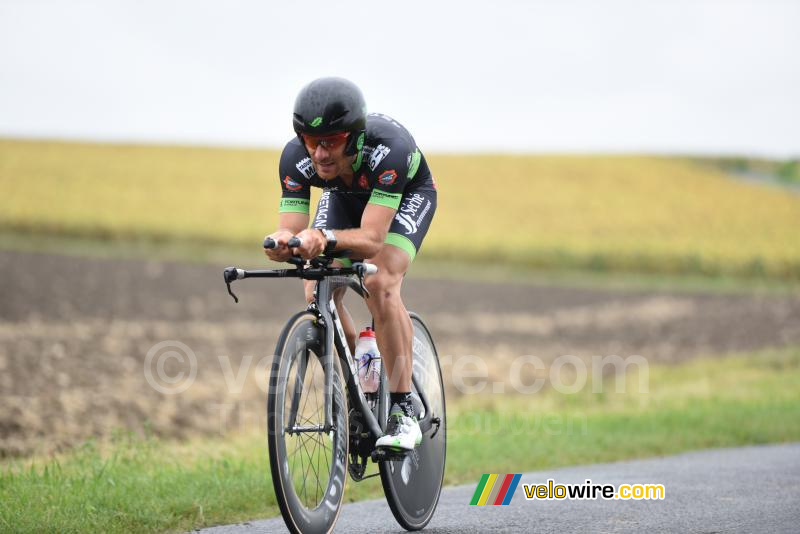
(403, 399)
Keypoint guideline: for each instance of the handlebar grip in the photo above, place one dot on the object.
(232, 273)
(368, 268)
(293, 242)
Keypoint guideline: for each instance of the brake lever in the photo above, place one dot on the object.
(235, 298)
(360, 271)
(231, 274)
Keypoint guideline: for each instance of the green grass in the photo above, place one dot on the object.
(789, 172)
(780, 171)
(142, 484)
(707, 403)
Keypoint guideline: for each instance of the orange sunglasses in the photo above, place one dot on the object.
(329, 142)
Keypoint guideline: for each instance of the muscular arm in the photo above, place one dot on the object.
(293, 222)
(365, 242)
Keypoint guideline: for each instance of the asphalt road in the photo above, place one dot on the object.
(752, 489)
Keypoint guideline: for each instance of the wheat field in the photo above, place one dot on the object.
(604, 213)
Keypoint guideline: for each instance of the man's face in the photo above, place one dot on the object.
(327, 154)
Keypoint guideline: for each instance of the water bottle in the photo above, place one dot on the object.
(368, 361)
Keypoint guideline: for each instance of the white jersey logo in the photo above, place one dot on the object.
(377, 156)
(407, 222)
(306, 168)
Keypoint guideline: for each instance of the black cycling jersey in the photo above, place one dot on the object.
(390, 171)
(389, 165)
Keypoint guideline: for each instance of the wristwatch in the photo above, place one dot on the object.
(330, 237)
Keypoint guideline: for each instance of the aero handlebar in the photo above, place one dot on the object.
(293, 242)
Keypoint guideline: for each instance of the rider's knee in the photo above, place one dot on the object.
(383, 287)
(375, 283)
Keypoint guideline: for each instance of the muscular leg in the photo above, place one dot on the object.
(393, 327)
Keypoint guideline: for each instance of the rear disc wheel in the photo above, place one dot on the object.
(412, 486)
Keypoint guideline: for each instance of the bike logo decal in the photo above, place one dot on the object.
(387, 177)
(291, 185)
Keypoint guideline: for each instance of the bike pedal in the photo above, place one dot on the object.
(389, 455)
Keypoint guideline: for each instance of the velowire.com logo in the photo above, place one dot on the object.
(496, 489)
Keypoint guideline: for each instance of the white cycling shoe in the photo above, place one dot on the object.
(402, 432)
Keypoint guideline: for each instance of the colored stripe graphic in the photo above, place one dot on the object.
(488, 489)
(498, 485)
(503, 489)
(495, 489)
(479, 490)
(512, 488)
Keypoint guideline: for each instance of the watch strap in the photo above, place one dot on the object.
(330, 239)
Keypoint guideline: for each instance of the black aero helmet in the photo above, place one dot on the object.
(331, 105)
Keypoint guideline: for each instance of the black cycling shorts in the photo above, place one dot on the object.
(338, 210)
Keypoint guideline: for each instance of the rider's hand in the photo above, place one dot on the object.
(313, 243)
(281, 252)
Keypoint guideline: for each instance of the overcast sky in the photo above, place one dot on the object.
(569, 76)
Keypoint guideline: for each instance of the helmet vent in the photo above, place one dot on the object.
(339, 118)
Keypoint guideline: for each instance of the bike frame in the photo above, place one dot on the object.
(330, 315)
(327, 314)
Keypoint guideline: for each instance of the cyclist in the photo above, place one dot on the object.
(378, 201)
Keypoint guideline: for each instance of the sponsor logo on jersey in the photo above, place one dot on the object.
(291, 185)
(410, 215)
(412, 204)
(362, 182)
(306, 167)
(377, 156)
(407, 222)
(321, 218)
(387, 177)
(295, 205)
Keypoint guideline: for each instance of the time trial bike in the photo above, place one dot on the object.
(322, 426)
